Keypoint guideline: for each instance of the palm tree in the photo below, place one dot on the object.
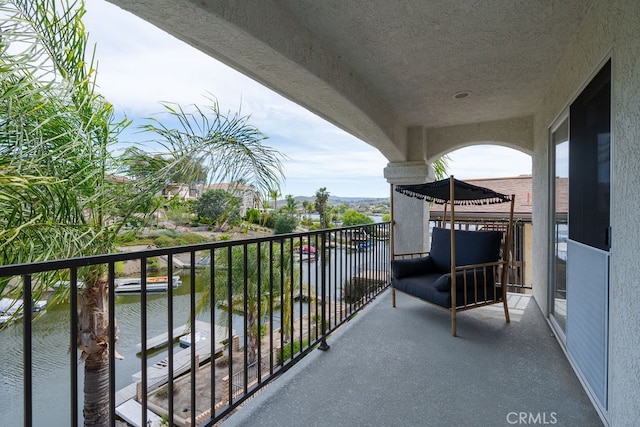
(274, 267)
(274, 194)
(440, 167)
(306, 206)
(265, 210)
(322, 197)
(55, 163)
(292, 205)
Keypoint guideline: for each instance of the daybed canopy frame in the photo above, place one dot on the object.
(453, 192)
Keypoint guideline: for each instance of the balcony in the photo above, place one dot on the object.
(401, 366)
(381, 366)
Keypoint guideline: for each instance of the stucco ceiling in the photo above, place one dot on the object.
(377, 67)
(416, 54)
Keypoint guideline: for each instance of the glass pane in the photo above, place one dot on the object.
(561, 225)
(590, 124)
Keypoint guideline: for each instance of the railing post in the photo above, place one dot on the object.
(27, 305)
(323, 282)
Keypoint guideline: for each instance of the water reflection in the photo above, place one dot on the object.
(52, 353)
(52, 357)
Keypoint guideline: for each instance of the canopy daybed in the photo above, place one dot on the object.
(464, 269)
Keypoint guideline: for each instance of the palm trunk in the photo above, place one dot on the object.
(252, 330)
(93, 340)
(286, 312)
(96, 390)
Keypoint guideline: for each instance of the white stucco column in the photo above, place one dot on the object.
(410, 215)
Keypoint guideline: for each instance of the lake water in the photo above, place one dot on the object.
(51, 352)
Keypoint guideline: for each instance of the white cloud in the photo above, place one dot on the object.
(140, 66)
(488, 161)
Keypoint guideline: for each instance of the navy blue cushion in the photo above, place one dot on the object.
(444, 282)
(411, 267)
(424, 287)
(441, 249)
(472, 247)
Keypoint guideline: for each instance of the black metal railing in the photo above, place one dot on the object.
(247, 310)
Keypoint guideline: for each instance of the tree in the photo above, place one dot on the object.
(284, 224)
(245, 261)
(274, 194)
(353, 217)
(440, 167)
(307, 207)
(218, 206)
(322, 198)
(292, 205)
(138, 164)
(253, 216)
(264, 203)
(58, 192)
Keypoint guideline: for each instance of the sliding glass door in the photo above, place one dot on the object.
(580, 214)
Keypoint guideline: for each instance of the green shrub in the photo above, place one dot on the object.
(205, 220)
(286, 350)
(222, 361)
(153, 264)
(119, 268)
(352, 217)
(253, 216)
(355, 289)
(170, 233)
(163, 241)
(218, 206)
(163, 391)
(191, 239)
(284, 224)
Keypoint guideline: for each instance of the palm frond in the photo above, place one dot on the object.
(230, 148)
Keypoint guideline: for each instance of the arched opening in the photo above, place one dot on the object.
(507, 171)
(488, 161)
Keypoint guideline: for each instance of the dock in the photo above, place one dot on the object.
(162, 340)
(158, 373)
(131, 412)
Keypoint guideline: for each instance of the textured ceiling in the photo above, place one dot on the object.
(416, 54)
(377, 67)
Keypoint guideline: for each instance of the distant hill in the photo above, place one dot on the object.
(360, 200)
(337, 200)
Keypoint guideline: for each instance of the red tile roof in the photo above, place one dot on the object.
(520, 186)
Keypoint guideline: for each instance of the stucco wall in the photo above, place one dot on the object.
(611, 27)
(624, 350)
(516, 133)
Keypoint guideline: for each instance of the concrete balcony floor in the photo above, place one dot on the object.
(401, 367)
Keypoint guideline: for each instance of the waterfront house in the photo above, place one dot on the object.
(179, 190)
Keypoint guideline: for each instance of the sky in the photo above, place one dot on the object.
(140, 66)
